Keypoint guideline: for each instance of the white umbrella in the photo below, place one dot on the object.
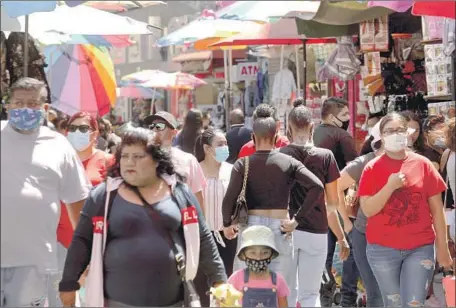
(81, 19)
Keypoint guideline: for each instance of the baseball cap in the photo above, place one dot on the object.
(167, 117)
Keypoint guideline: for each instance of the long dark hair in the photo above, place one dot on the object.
(205, 138)
(144, 138)
(190, 132)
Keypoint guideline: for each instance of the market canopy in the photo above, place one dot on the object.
(264, 10)
(344, 13)
(283, 32)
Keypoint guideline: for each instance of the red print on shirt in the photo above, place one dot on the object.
(403, 208)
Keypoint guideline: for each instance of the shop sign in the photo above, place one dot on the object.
(247, 71)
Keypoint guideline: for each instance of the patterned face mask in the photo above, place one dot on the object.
(258, 266)
(26, 119)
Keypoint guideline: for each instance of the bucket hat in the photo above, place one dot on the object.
(257, 236)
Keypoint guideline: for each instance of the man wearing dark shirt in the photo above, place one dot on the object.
(310, 238)
(270, 177)
(238, 135)
(264, 110)
(332, 134)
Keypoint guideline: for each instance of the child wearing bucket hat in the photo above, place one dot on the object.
(260, 286)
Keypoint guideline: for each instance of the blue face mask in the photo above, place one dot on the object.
(222, 153)
(440, 143)
(25, 119)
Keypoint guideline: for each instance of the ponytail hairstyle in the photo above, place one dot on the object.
(205, 138)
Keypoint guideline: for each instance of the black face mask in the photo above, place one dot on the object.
(258, 266)
(345, 124)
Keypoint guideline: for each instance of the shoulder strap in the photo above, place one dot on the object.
(444, 159)
(244, 181)
(246, 275)
(175, 240)
(109, 200)
(273, 278)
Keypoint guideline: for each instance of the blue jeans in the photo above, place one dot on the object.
(359, 243)
(403, 276)
(23, 286)
(350, 274)
(284, 243)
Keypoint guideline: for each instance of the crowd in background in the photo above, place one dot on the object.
(135, 219)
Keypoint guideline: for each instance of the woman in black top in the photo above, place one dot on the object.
(139, 266)
(270, 178)
(310, 236)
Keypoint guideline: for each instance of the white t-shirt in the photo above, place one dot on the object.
(284, 85)
(187, 165)
(37, 171)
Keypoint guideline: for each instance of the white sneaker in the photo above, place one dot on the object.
(433, 301)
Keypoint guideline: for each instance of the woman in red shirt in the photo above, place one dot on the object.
(82, 132)
(400, 193)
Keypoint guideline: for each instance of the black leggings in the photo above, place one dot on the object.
(227, 254)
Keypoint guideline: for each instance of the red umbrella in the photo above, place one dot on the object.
(435, 8)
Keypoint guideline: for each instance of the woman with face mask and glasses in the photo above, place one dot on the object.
(82, 132)
(212, 152)
(400, 194)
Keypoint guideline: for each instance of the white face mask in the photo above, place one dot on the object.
(79, 141)
(395, 142)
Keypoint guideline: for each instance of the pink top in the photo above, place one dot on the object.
(237, 280)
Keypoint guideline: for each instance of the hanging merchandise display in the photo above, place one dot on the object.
(446, 109)
(432, 27)
(374, 35)
(342, 63)
(438, 70)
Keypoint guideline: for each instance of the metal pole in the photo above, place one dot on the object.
(453, 82)
(226, 105)
(304, 76)
(26, 47)
(298, 79)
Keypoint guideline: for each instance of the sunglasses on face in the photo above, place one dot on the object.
(81, 128)
(157, 126)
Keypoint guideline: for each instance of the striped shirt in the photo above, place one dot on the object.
(214, 193)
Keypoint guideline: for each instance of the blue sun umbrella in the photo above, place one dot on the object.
(20, 8)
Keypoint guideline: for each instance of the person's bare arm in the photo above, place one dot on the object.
(200, 197)
(372, 205)
(74, 212)
(336, 228)
(344, 182)
(331, 196)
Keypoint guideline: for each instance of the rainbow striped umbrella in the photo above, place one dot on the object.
(81, 78)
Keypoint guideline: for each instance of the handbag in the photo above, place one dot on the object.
(191, 298)
(94, 284)
(241, 211)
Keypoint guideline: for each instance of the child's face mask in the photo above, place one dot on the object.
(257, 266)
(257, 258)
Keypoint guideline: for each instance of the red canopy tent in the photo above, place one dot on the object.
(435, 8)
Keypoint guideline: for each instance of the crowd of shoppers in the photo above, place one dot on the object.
(161, 217)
